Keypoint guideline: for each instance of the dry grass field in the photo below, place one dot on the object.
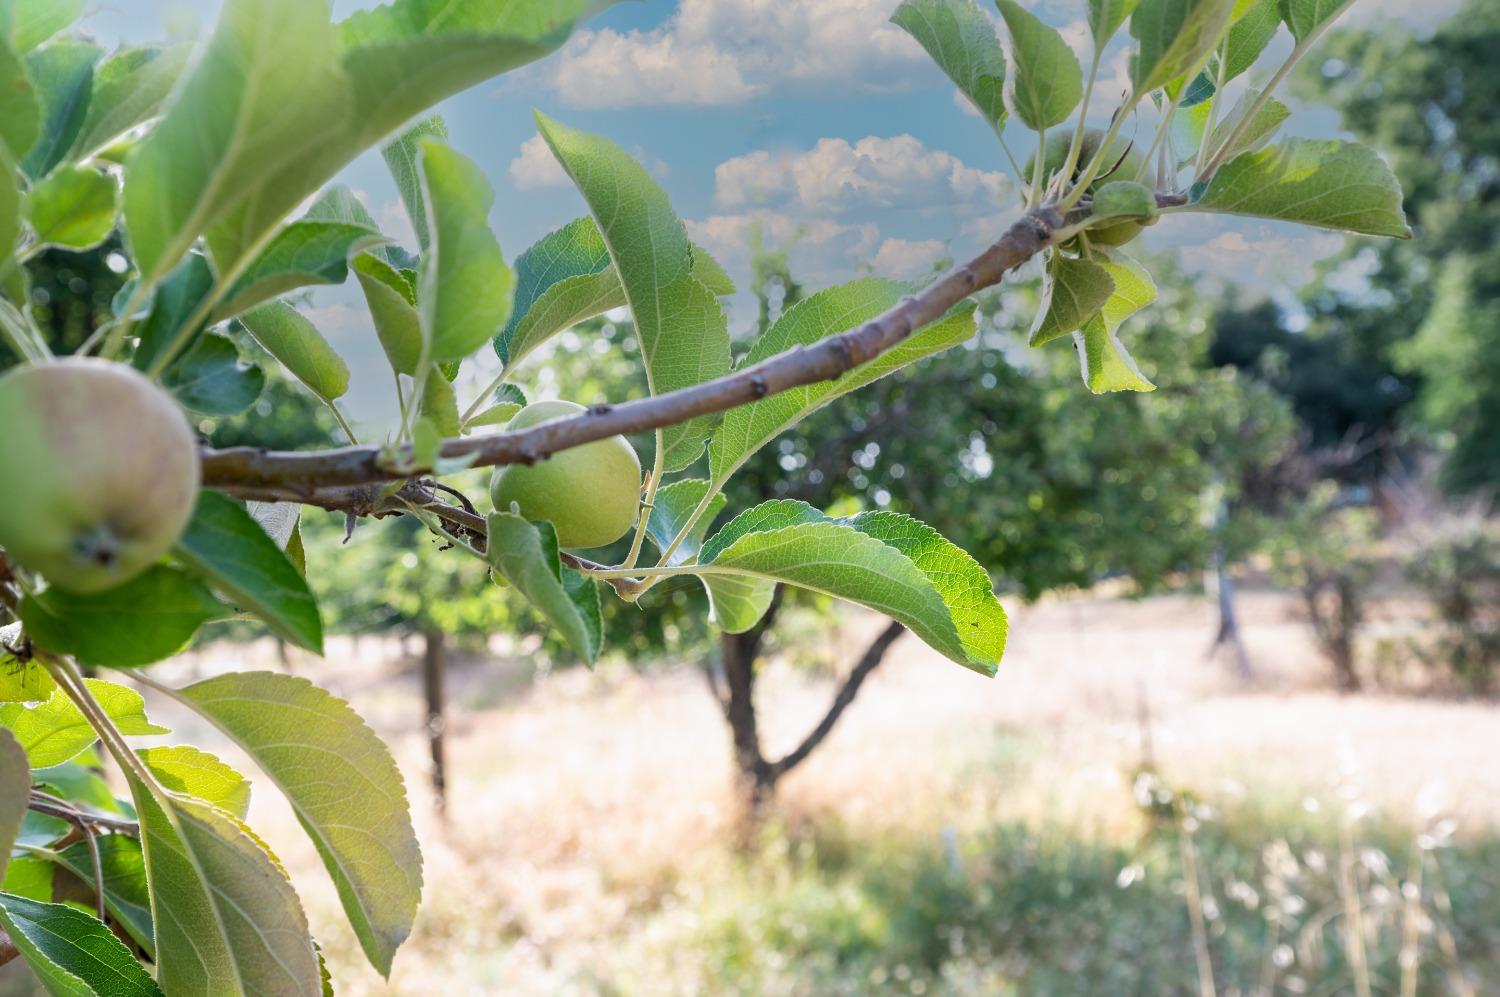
(588, 842)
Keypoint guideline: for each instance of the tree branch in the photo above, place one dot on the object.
(318, 477)
(873, 656)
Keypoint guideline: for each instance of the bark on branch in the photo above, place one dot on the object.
(327, 476)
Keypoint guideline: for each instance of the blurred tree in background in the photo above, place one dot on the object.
(1426, 309)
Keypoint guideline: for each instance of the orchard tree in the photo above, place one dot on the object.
(122, 534)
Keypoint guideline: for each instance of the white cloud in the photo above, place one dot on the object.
(719, 52)
(908, 259)
(536, 168)
(393, 221)
(834, 176)
(1245, 251)
(821, 247)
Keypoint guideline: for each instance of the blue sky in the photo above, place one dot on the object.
(804, 116)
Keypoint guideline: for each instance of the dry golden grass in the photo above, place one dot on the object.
(584, 799)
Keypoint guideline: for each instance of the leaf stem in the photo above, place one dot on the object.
(67, 677)
(1075, 148)
(647, 504)
(22, 337)
(1213, 109)
(343, 423)
(490, 389)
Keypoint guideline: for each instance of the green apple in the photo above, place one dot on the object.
(1115, 233)
(98, 470)
(590, 494)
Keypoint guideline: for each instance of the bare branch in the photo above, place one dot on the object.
(316, 477)
(873, 656)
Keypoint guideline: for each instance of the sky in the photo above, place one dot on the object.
(815, 119)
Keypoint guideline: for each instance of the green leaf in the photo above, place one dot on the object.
(305, 253)
(439, 406)
(1105, 18)
(55, 731)
(63, 74)
(670, 510)
(964, 586)
(562, 279)
(174, 302)
(710, 273)
(405, 56)
(148, 618)
(290, 337)
(402, 156)
(72, 208)
(1249, 36)
(509, 400)
(227, 920)
(1123, 198)
(129, 90)
(184, 769)
(1105, 363)
(682, 329)
(961, 40)
(1073, 291)
(397, 60)
(393, 310)
(73, 782)
(125, 893)
(466, 288)
(566, 277)
(20, 110)
(1303, 17)
(31, 877)
(343, 786)
(1329, 184)
(212, 379)
(868, 560)
(1045, 83)
(265, 91)
(21, 682)
(1174, 37)
(1199, 90)
(10, 208)
(15, 790)
(525, 555)
(73, 954)
(749, 427)
(32, 22)
(226, 546)
(1268, 118)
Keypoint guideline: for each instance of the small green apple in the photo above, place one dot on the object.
(590, 494)
(98, 468)
(1115, 233)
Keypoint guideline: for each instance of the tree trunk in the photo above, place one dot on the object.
(434, 662)
(1229, 624)
(1335, 626)
(756, 784)
(733, 684)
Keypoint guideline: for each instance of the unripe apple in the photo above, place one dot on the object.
(98, 471)
(1114, 233)
(590, 494)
